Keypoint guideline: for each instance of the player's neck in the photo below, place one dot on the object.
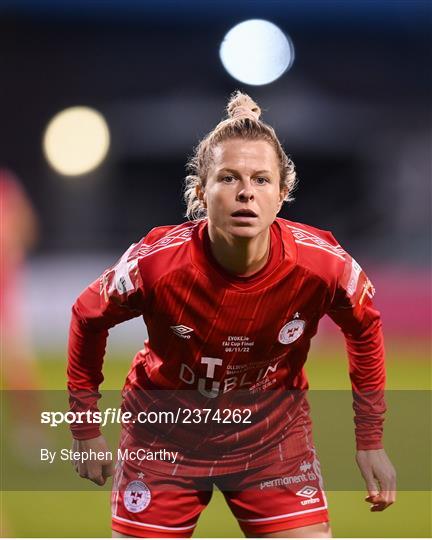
(241, 256)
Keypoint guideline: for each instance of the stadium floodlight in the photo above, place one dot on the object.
(76, 141)
(256, 52)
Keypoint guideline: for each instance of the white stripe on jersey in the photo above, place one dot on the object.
(118, 478)
(320, 247)
(305, 237)
(152, 252)
(168, 241)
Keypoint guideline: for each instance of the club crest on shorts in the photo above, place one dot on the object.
(291, 331)
(137, 496)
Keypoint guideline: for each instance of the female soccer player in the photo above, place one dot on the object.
(231, 300)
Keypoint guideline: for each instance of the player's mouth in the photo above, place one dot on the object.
(244, 215)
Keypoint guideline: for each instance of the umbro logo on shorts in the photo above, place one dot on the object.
(182, 331)
(308, 492)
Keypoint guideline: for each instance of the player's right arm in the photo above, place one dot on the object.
(117, 296)
(353, 311)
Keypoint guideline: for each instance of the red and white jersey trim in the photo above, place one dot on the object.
(300, 512)
(306, 238)
(151, 526)
(122, 281)
(174, 238)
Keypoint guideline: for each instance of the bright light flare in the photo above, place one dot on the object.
(256, 52)
(76, 141)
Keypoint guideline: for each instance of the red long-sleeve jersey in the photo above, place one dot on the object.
(217, 340)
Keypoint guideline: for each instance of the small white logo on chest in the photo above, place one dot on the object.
(291, 331)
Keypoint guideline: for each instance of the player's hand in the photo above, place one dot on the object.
(95, 470)
(380, 478)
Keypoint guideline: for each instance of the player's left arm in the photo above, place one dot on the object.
(353, 311)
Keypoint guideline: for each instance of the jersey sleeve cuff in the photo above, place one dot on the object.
(82, 433)
(377, 445)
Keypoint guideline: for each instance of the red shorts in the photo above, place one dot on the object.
(284, 495)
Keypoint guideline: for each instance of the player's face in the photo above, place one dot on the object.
(242, 193)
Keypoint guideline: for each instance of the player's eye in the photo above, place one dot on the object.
(262, 180)
(228, 179)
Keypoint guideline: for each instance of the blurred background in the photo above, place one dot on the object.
(347, 86)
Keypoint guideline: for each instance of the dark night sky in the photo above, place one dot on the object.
(360, 83)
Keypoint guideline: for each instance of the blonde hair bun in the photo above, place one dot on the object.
(242, 105)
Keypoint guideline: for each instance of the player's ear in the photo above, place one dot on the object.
(201, 194)
(283, 194)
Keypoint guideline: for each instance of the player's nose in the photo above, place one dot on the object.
(245, 192)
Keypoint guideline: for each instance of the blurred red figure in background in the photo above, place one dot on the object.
(18, 234)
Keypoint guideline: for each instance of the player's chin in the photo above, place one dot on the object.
(246, 230)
